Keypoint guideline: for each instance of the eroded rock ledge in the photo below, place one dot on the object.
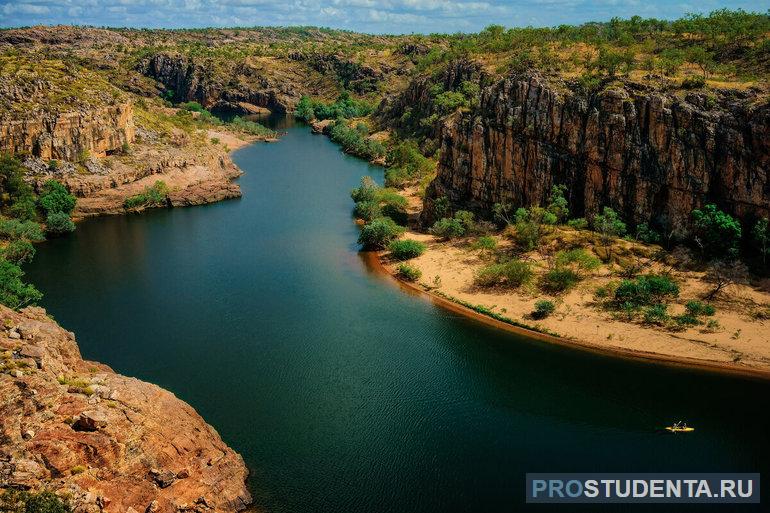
(108, 442)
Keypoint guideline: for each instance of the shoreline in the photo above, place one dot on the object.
(374, 261)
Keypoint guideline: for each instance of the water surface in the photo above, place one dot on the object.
(343, 393)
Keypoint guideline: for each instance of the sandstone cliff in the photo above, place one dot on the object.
(653, 156)
(190, 80)
(67, 135)
(109, 442)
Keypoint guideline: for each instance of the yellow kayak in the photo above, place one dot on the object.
(680, 429)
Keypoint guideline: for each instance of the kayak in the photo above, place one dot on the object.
(680, 429)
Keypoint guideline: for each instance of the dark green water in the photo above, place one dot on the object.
(343, 393)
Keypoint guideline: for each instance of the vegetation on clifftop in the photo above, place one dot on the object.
(21, 211)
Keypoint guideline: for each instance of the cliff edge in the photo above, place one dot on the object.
(104, 441)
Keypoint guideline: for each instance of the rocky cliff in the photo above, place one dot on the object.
(106, 441)
(66, 135)
(654, 156)
(189, 80)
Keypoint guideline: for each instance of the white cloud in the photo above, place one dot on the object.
(13, 8)
(395, 16)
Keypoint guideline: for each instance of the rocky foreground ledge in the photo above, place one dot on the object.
(105, 441)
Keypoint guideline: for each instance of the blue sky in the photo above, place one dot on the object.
(377, 16)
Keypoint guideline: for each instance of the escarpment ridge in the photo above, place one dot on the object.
(652, 155)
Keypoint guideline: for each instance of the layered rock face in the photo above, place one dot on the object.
(109, 442)
(191, 81)
(652, 156)
(64, 136)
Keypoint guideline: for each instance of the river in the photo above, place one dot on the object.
(342, 392)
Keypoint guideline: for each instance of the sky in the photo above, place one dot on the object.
(373, 16)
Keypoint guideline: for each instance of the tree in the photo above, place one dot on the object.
(646, 234)
(557, 203)
(56, 198)
(723, 273)
(305, 109)
(15, 229)
(609, 224)
(59, 223)
(16, 195)
(716, 233)
(18, 251)
(503, 213)
(366, 191)
(761, 236)
(14, 293)
(698, 55)
(611, 61)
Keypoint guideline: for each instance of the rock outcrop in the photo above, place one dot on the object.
(68, 135)
(190, 80)
(653, 156)
(108, 442)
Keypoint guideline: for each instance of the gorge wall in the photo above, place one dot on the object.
(218, 90)
(653, 156)
(108, 442)
(65, 135)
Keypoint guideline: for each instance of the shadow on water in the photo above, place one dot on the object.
(342, 392)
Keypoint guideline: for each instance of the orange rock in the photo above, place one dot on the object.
(110, 462)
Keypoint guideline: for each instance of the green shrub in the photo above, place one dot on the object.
(686, 319)
(192, 106)
(393, 205)
(366, 191)
(513, 274)
(408, 272)
(579, 223)
(14, 293)
(59, 223)
(367, 210)
(559, 279)
(15, 194)
(486, 244)
(760, 236)
(696, 308)
(345, 107)
(250, 127)
(56, 198)
(694, 82)
(448, 228)
(646, 234)
(22, 501)
(609, 224)
(379, 233)
(15, 229)
(18, 251)
(24, 208)
(656, 314)
(557, 203)
(154, 196)
(406, 164)
(578, 258)
(646, 290)
(354, 143)
(406, 249)
(716, 233)
(543, 308)
(528, 226)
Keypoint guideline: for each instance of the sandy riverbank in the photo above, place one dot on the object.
(741, 344)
